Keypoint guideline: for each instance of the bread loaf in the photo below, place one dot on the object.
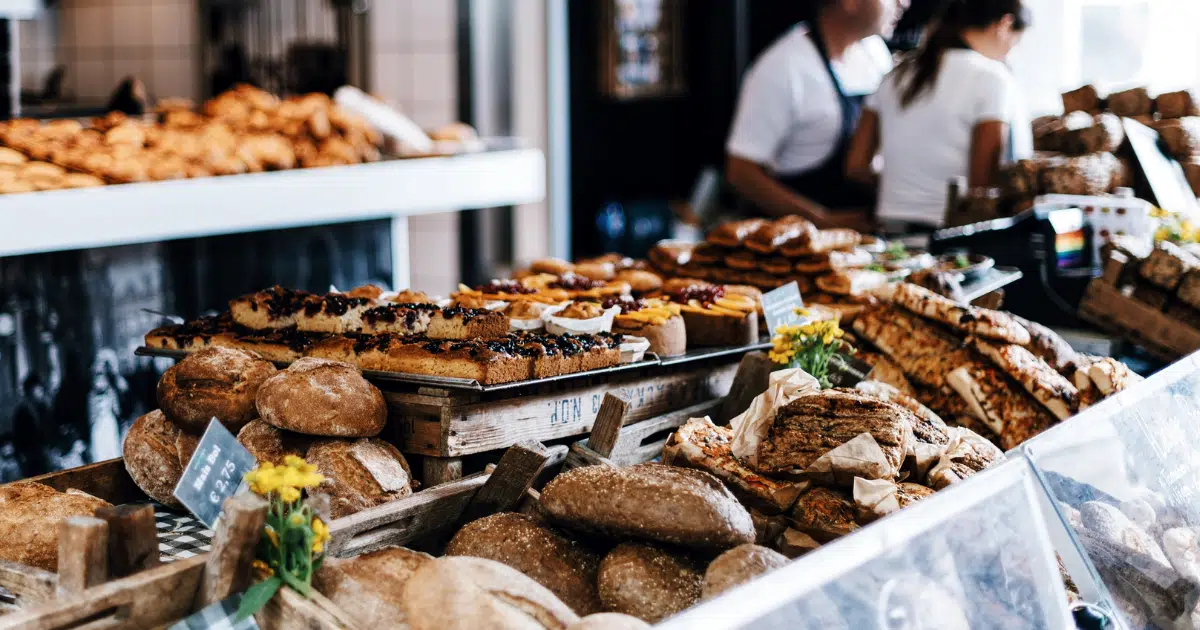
(459, 593)
(544, 554)
(29, 516)
(322, 397)
(738, 566)
(368, 587)
(156, 454)
(825, 514)
(268, 444)
(650, 501)
(1084, 99)
(360, 474)
(1134, 102)
(609, 621)
(649, 582)
(216, 383)
(1176, 104)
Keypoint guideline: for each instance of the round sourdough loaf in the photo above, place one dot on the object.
(216, 383)
(738, 566)
(648, 582)
(609, 621)
(269, 444)
(29, 516)
(156, 453)
(460, 593)
(359, 474)
(681, 506)
(322, 397)
(368, 586)
(562, 565)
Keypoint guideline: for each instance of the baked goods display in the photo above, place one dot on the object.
(217, 383)
(29, 517)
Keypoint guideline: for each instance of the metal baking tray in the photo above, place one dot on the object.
(711, 353)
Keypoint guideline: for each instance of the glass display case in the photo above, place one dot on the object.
(976, 555)
(1125, 479)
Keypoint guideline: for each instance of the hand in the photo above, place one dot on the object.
(859, 221)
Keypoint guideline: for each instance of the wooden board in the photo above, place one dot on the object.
(1104, 305)
(106, 480)
(442, 427)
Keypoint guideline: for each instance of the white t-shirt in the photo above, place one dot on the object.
(927, 144)
(789, 118)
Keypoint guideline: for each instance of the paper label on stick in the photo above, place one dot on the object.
(779, 307)
(214, 474)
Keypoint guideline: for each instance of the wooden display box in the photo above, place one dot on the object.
(1105, 305)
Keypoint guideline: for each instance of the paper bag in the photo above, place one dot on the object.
(860, 457)
(875, 498)
(794, 543)
(966, 454)
(752, 425)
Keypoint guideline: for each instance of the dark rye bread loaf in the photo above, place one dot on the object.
(216, 383)
(156, 453)
(368, 586)
(360, 474)
(460, 593)
(738, 566)
(269, 444)
(29, 516)
(322, 397)
(649, 501)
(649, 582)
(544, 554)
(811, 426)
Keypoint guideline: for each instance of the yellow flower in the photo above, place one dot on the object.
(297, 463)
(289, 494)
(779, 358)
(272, 536)
(262, 570)
(801, 311)
(320, 529)
(296, 519)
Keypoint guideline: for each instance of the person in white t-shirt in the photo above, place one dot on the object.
(798, 108)
(952, 109)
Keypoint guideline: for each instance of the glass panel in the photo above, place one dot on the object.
(1125, 475)
(975, 555)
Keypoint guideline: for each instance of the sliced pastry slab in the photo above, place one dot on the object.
(972, 320)
(1049, 387)
(1013, 415)
(925, 353)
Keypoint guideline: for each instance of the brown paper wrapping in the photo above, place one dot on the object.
(752, 425)
(860, 457)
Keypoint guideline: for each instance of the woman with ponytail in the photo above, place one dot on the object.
(951, 109)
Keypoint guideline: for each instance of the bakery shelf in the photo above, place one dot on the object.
(505, 174)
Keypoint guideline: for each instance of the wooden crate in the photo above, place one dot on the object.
(1106, 306)
(446, 425)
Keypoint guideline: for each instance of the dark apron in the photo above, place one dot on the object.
(827, 184)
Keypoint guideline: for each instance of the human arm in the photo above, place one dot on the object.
(864, 147)
(763, 190)
(989, 140)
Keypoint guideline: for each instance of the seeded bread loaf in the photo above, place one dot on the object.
(825, 514)
(649, 582)
(156, 453)
(738, 566)
(270, 444)
(29, 516)
(360, 474)
(322, 397)
(460, 593)
(216, 383)
(368, 587)
(562, 565)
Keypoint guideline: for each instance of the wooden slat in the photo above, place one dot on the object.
(581, 456)
(505, 487)
(132, 538)
(404, 520)
(436, 471)
(148, 599)
(227, 570)
(288, 609)
(631, 437)
(29, 584)
(82, 554)
(608, 423)
(752, 378)
(490, 426)
(1166, 337)
(106, 480)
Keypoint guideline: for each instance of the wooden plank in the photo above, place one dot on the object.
(1107, 307)
(505, 487)
(106, 480)
(132, 538)
(581, 456)
(82, 554)
(227, 570)
(490, 426)
(631, 437)
(607, 426)
(554, 465)
(436, 471)
(29, 584)
(148, 599)
(404, 520)
(289, 609)
(1114, 268)
(752, 378)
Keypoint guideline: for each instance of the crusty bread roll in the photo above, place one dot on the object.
(650, 501)
(269, 444)
(649, 582)
(29, 517)
(322, 397)
(216, 383)
(609, 621)
(738, 566)
(544, 554)
(360, 474)
(460, 593)
(156, 453)
(368, 587)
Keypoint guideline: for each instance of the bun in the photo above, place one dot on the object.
(738, 566)
(360, 474)
(29, 517)
(322, 397)
(552, 266)
(216, 383)
(650, 501)
(648, 582)
(457, 593)
(565, 567)
(367, 587)
(268, 444)
(156, 454)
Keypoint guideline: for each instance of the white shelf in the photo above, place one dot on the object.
(160, 211)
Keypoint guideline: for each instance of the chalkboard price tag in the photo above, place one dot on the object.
(214, 474)
(780, 306)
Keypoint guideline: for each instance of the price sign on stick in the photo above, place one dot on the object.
(214, 474)
(780, 306)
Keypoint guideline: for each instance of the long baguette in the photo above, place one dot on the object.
(972, 320)
(1037, 377)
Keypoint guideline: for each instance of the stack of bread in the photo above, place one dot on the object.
(1168, 280)
(30, 513)
(318, 409)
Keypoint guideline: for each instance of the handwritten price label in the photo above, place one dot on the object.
(214, 474)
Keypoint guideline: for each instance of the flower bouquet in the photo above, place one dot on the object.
(809, 346)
